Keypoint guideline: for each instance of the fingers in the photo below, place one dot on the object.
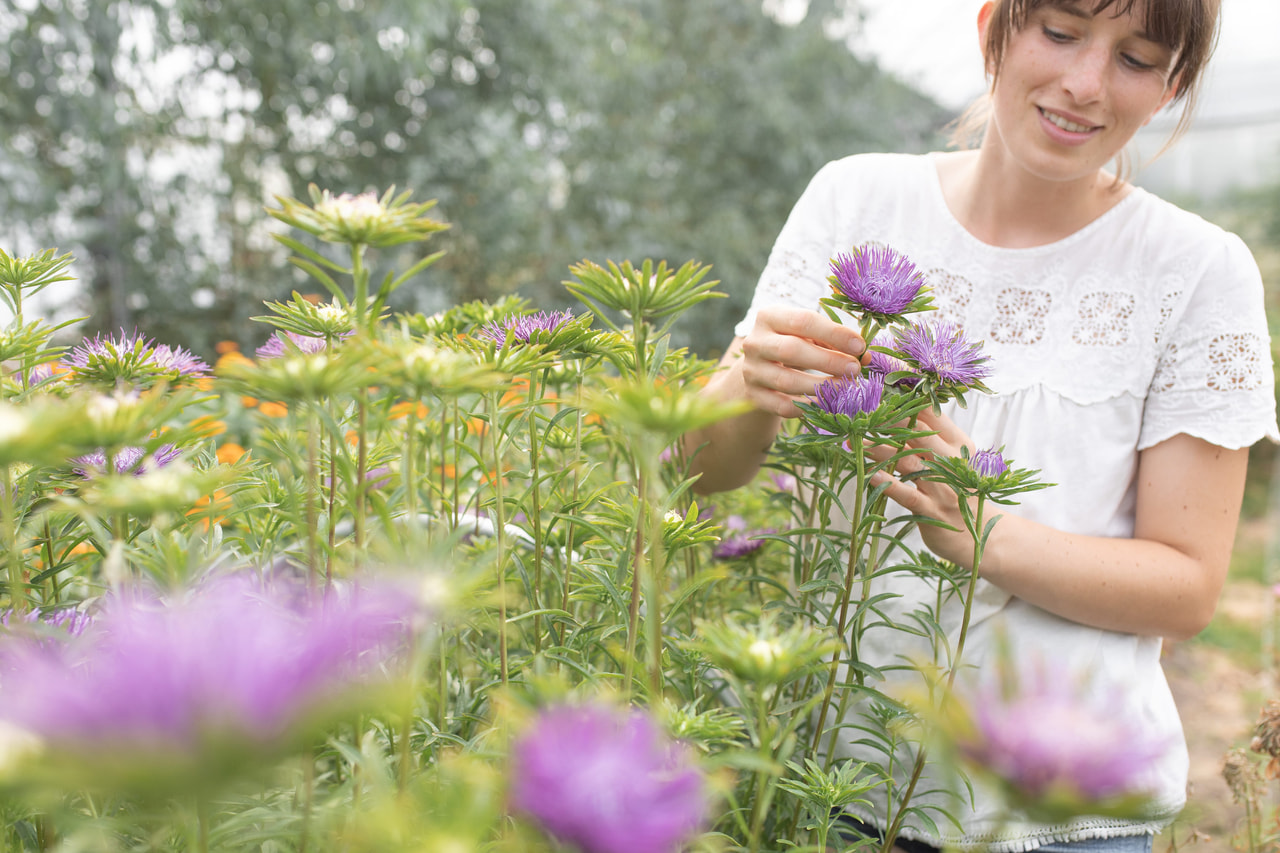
(789, 352)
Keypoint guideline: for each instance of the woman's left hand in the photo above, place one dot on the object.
(927, 498)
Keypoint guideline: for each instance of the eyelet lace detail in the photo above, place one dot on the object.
(1166, 375)
(951, 294)
(1021, 316)
(1236, 362)
(1104, 319)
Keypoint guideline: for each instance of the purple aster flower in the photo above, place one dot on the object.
(131, 357)
(940, 350)
(849, 395)
(524, 327)
(608, 780)
(884, 364)
(740, 542)
(283, 343)
(783, 482)
(988, 463)
(127, 460)
(1047, 739)
(235, 660)
(877, 279)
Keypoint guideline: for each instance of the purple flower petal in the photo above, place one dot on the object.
(1046, 737)
(525, 326)
(849, 395)
(608, 781)
(988, 463)
(234, 659)
(877, 279)
(941, 350)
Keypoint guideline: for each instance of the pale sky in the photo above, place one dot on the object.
(934, 43)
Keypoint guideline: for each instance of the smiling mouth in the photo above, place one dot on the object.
(1066, 124)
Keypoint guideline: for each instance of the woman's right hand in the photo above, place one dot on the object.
(785, 345)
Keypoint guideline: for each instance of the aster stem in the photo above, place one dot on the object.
(362, 464)
(332, 441)
(360, 278)
(500, 531)
(535, 508)
(410, 474)
(9, 526)
(566, 579)
(973, 522)
(311, 497)
(203, 819)
(851, 572)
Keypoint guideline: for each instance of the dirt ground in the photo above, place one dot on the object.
(1219, 696)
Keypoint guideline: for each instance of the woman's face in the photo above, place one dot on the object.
(1074, 88)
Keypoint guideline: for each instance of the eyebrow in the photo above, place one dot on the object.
(1071, 7)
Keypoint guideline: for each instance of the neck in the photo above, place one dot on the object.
(1002, 204)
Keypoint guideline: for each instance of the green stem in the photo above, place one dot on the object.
(535, 509)
(203, 819)
(633, 610)
(851, 572)
(9, 530)
(500, 532)
(974, 525)
(311, 497)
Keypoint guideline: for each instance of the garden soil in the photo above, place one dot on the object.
(1219, 693)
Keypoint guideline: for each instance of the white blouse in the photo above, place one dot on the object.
(1144, 324)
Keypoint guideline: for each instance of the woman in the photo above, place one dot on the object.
(1130, 362)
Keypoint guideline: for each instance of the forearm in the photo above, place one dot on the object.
(1136, 586)
(729, 454)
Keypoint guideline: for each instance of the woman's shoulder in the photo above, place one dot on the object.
(1177, 231)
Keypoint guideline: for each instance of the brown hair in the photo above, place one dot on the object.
(1189, 28)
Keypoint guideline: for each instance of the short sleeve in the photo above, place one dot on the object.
(796, 273)
(1214, 379)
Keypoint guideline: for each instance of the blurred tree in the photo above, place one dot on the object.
(147, 135)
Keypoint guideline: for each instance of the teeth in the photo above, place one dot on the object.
(1064, 123)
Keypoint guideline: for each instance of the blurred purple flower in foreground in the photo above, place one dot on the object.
(988, 463)
(877, 279)
(608, 780)
(525, 327)
(741, 542)
(232, 661)
(1048, 742)
(941, 351)
(128, 460)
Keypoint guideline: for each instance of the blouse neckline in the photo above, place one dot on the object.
(939, 200)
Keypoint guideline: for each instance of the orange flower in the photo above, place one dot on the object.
(230, 453)
(213, 508)
(231, 357)
(477, 426)
(224, 347)
(249, 402)
(207, 426)
(446, 471)
(273, 410)
(402, 410)
(313, 298)
(353, 438)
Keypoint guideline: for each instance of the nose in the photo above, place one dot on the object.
(1085, 78)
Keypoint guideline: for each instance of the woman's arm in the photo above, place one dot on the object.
(788, 352)
(1164, 581)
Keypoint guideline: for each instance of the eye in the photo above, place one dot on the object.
(1136, 63)
(1056, 35)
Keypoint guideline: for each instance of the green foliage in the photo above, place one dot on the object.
(146, 136)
